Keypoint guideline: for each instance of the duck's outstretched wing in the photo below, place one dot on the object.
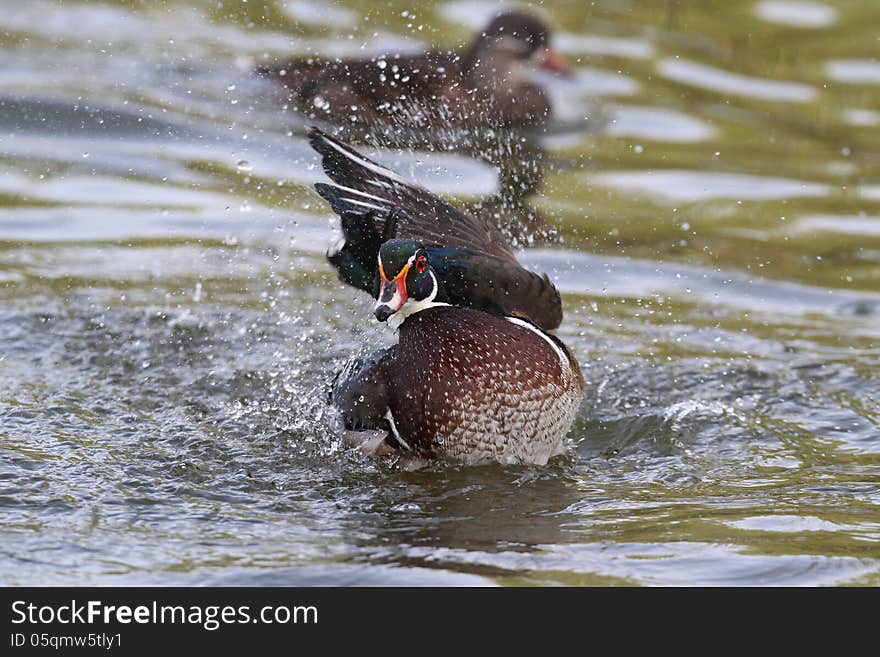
(473, 259)
(361, 185)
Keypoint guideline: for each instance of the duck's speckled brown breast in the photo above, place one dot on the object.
(477, 387)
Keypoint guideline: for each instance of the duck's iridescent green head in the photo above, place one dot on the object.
(405, 278)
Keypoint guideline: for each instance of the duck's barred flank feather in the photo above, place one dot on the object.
(474, 261)
(492, 390)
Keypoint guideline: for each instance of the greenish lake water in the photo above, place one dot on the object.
(168, 322)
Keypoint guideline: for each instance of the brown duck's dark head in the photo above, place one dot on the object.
(510, 38)
(407, 282)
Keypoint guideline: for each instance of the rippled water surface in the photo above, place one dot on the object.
(168, 323)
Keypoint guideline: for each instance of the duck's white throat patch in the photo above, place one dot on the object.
(412, 306)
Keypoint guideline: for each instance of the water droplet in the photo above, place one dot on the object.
(244, 166)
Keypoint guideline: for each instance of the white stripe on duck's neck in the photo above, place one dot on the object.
(412, 306)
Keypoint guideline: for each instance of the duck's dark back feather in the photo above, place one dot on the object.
(478, 280)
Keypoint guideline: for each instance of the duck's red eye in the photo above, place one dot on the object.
(421, 264)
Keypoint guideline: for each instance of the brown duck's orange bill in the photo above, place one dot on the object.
(553, 61)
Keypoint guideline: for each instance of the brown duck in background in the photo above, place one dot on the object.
(486, 85)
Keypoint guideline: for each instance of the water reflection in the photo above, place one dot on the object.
(479, 508)
(726, 82)
(676, 186)
(854, 71)
(860, 225)
(796, 13)
(657, 124)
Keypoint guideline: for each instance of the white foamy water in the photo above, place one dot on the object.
(619, 276)
(855, 71)
(111, 27)
(593, 82)
(727, 82)
(319, 13)
(289, 161)
(861, 117)
(477, 13)
(657, 124)
(97, 222)
(870, 192)
(677, 185)
(796, 13)
(568, 94)
(114, 28)
(783, 523)
(442, 173)
(367, 46)
(848, 224)
(54, 20)
(74, 189)
(598, 82)
(577, 44)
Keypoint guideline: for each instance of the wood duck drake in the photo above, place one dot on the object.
(474, 376)
(487, 84)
